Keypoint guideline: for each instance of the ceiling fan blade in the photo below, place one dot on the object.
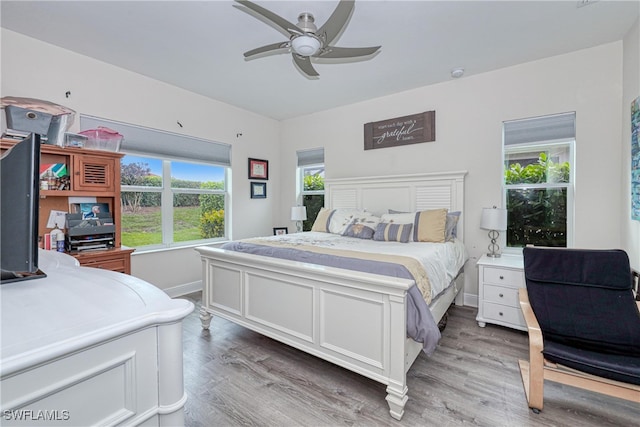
(268, 48)
(304, 63)
(347, 52)
(289, 28)
(336, 22)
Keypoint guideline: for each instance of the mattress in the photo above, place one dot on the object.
(441, 261)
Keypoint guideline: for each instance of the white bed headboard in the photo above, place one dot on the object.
(406, 193)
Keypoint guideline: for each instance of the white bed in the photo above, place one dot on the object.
(356, 320)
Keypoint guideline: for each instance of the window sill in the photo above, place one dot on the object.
(174, 247)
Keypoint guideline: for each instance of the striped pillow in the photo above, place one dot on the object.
(322, 220)
(389, 232)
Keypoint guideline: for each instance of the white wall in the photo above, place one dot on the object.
(469, 116)
(31, 68)
(631, 90)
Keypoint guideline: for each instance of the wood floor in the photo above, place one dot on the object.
(234, 376)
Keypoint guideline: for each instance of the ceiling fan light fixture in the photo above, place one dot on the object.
(305, 45)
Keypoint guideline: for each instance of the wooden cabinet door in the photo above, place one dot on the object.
(94, 173)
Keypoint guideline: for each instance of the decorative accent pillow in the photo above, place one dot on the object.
(360, 231)
(430, 226)
(390, 232)
(396, 217)
(341, 219)
(322, 220)
(451, 226)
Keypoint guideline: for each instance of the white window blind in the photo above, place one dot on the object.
(153, 142)
(310, 157)
(540, 129)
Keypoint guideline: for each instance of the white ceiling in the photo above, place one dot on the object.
(198, 46)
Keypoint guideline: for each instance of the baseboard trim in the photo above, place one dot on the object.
(184, 289)
(471, 300)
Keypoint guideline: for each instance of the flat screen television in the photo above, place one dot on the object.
(19, 202)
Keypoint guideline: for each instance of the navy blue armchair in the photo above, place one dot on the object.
(583, 322)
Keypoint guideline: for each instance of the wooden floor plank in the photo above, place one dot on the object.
(234, 376)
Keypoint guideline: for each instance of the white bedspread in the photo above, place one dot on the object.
(441, 261)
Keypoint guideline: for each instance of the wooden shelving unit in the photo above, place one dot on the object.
(92, 173)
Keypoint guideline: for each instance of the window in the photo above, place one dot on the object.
(311, 183)
(173, 189)
(538, 180)
(166, 202)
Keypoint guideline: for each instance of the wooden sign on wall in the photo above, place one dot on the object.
(405, 130)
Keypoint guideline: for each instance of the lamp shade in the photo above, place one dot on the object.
(494, 219)
(299, 213)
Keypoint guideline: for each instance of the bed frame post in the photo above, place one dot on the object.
(397, 386)
(205, 316)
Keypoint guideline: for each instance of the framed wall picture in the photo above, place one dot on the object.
(258, 169)
(258, 190)
(279, 231)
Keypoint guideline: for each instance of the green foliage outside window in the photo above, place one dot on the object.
(313, 202)
(537, 215)
(313, 182)
(212, 224)
(212, 211)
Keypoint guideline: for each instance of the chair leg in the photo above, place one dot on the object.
(533, 381)
(536, 378)
(532, 372)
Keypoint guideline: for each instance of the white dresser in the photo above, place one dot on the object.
(498, 282)
(85, 347)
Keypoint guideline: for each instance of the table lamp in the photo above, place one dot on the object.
(495, 220)
(299, 214)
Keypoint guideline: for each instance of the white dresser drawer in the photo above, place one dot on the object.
(499, 280)
(503, 314)
(502, 276)
(501, 295)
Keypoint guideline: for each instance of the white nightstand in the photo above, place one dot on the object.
(498, 282)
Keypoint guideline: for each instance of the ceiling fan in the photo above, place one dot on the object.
(306, 41)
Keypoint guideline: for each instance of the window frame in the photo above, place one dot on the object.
(300, 191)
(166, 202)
(542, 146)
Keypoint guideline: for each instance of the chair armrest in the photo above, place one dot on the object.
(527, 311)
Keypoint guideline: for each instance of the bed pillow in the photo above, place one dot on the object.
(392, 232)
(451, 226)
(342, 217)
(430, 226)
(362, 227)
(322, 220)
(358, 230)
(399, 218)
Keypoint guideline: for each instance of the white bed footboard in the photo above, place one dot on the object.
(355, 320)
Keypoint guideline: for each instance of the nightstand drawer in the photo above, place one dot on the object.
(502, 276)
(113, 264)
(503, 314)
(501, 295)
